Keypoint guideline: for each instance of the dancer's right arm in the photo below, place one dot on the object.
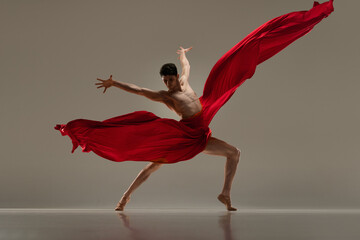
(132, 88)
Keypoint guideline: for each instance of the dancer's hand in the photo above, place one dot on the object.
(183, 50)
(105, 83)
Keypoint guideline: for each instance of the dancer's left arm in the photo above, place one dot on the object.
(185, 66)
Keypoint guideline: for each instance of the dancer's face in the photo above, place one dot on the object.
(171, 81)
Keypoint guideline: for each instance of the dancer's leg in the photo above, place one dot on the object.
(232, 154)
(141, 177)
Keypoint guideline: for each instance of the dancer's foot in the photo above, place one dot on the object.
(226, 200)
(121, 204)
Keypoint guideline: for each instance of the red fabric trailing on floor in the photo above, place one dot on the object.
(143, 136)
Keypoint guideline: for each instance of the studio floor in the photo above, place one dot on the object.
(174, 224)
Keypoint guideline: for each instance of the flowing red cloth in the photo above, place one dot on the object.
(143, 136)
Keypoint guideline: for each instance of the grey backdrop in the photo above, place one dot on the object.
(296, 121)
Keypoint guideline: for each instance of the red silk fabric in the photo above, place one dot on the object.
(143, 136)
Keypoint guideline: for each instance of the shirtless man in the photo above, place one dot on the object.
(181, 99)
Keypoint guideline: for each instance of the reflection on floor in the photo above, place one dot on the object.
(136, 224)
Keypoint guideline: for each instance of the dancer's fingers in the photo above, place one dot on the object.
(100, 86)
(100, 79)
(99, 83)
(104, 90)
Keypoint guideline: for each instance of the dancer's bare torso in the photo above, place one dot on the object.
(184, 102)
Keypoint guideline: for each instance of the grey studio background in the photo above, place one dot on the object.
(296, 121)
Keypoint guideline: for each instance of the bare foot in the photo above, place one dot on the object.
(226, 200)
(121, 204)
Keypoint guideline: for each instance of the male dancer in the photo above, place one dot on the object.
(182, 99)
(143, 136)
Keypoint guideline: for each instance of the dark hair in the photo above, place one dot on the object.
(168, 69)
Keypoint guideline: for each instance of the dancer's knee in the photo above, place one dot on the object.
(234, 154)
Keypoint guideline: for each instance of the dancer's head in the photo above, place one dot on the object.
(170, 76)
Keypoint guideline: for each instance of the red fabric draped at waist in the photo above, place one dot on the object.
(139, 136)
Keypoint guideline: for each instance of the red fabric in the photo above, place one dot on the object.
(143, 136)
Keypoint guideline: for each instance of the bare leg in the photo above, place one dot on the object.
(232, 154)
(141, 177)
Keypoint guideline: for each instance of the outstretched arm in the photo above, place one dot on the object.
(185, 66)
(132, 88)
